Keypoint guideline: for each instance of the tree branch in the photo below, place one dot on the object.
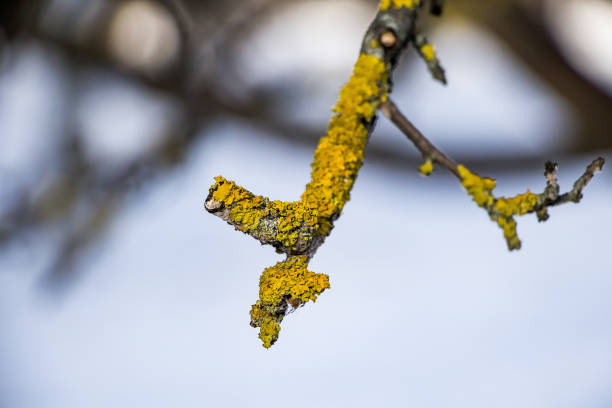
(426, 148)
(500, 209)
(299, 228)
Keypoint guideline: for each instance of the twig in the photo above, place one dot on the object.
(298, 228)
(501, 210)
(550, 197)
(427, 149)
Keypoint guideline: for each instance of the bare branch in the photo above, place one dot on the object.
(427, 149)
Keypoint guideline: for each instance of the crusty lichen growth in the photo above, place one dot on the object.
(334, 169)
(387, 4)
(293, 226)
(479, 188)
(501, 210)
(427, 167)
(290, 278)
(246, 209)
(340, 153)
(298, 228)
(286, 282)
(428, 52)
(291, 221)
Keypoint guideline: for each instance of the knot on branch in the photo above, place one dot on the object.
(502, 210)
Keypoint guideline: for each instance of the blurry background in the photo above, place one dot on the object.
(117, 289)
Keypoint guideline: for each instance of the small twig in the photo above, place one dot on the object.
(551, 196)
(427, 53)
(427, 149)
(501, 210)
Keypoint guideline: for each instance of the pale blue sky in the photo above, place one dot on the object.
(427, 308)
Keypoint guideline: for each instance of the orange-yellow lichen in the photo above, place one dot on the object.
(337, 160)
(508, 225)
(426, 168)
(291, 278)
(228, 192)
(340, 153)
(501, 209)
(287, 280)
(247, 209)
(479, 188)
(334, 169)
(518, 205)
(268, 323)
(292, 216)
(386, 4)
(428, 52)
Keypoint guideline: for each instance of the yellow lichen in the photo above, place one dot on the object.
(246, 209)
(287, 280)
(340, 153)
(337, 160)
(291, 278)
(428, 52)
(228, 192)
(479, 188)
(501, 209)
(386, 4)
(268, 333)
(518, 205)
(292, 217)
(508, 225)
(426, 168)
(268, 323)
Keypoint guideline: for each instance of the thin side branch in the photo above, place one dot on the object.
(501, 210)
(550, 197)
(427, 149)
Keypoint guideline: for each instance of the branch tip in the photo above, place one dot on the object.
(212, 205)
(503, 210)
(427, 52)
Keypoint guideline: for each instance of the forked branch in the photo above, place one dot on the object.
(298, 228)
(500, 209)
